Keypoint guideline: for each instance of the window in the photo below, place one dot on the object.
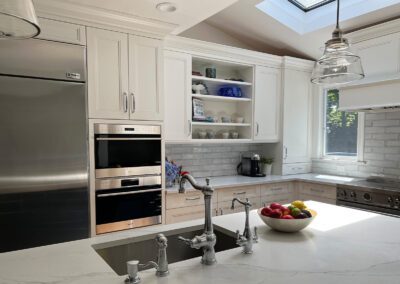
(340, 128)
(308, 5)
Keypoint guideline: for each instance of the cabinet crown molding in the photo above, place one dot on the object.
(298, 64)
(101, 18)
(220, 51)
(375, 31)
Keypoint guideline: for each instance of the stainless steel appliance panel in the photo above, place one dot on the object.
(43, 59)
(43, 150)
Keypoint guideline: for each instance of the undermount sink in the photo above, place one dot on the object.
(145, 248)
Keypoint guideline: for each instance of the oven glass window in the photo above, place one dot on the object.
(110, 209)
(127, 153)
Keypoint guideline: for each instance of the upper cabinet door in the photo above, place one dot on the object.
(297, 116)
(107, 74)
(177, 90)
(145, 78)
(267, 104)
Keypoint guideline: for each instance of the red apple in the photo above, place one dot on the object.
(275, 205)
(285, 211)
(266, 211)
(276, 213)
(288, 217)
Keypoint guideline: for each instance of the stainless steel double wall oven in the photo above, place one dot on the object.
(128, 160)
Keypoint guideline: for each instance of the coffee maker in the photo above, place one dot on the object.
(250, 165)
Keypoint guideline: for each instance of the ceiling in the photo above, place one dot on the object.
(245, 22)
(188, 13)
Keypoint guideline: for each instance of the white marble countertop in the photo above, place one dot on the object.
(232, 181)
(342, 246)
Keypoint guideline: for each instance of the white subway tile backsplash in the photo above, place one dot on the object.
(381, 149)
(210, 160)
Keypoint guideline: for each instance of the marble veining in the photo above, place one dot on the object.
(342, 245)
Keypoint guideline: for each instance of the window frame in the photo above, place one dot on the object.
(360, 135)
(308, 9)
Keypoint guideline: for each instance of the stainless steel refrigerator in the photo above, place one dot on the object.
(43, 144)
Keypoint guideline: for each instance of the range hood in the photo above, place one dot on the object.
(381, 95)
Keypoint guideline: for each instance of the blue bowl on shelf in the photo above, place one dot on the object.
(230, 91)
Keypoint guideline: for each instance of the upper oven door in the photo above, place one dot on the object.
(129, 150)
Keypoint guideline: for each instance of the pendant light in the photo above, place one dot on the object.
(338, 65)
(18, 19)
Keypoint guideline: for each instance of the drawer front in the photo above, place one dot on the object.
(276, 189)
(293, 169)
(224, 207)
(184, 200)
(306, 197)
(227, 194)
(320, 190)
(284, 198)
(184, 214)
(63, 32)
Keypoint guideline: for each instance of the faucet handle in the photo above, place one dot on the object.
(186, 241)
(150, 264)
(208, 181)
(162, 240)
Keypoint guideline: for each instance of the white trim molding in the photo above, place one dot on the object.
(375, 31)
(297, 64)
(219, 51)
(97, 17)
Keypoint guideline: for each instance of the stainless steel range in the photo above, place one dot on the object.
(376, 194)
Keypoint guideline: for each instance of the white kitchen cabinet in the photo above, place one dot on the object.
(145, 78)
(124, 76)
(297, 116)
(108, 85)
(380, 56)
(61, 31)
(267, 104)
(177, 90)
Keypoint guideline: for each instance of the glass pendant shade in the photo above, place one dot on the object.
(338, 65)
(18, 19)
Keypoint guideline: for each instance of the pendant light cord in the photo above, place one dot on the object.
(337, 14)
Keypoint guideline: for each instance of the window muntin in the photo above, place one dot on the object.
(340, 128)
(308, 5)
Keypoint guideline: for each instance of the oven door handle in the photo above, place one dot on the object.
(127, 193)
(122, 139)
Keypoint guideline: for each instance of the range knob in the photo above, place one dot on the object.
(390, 200)
(353, 195)
(342, 193)
(397, 202)
(367, 197)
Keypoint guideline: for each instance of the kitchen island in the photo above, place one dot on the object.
(342, 245)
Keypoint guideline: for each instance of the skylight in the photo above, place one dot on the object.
(304, 20)
(308, 5)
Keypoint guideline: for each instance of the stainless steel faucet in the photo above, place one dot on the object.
(161, 266)
(207, 240)
(247, 239)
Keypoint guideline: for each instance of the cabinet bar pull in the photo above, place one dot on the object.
(239, 193)
(125, 101)
(258, 128)
(133, 103)
(190, 128)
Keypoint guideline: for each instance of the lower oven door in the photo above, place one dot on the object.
(121, 209)
(370, 208)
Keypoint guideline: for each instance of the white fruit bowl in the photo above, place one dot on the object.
(287, 225)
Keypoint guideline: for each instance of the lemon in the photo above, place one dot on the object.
(299, 204)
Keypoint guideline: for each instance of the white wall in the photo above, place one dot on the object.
(206, 32)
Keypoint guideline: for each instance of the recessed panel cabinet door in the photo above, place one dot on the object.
(177, 90)
(145, 78)
(267, 104)
(297, 116)
(107, 74)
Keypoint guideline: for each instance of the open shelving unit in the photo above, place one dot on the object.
(218, 106)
